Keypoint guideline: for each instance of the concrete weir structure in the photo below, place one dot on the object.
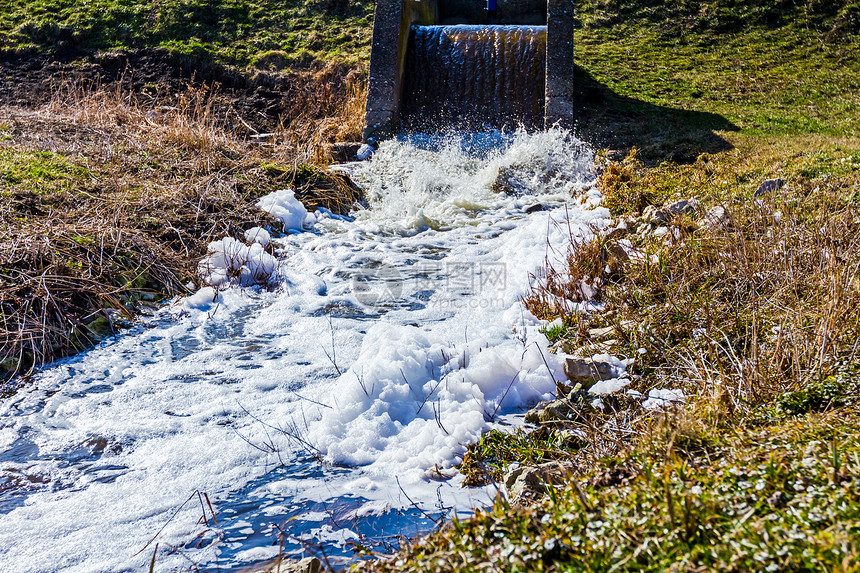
(538, 70)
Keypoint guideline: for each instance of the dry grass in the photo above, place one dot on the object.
(326, 107)
(735, 315)
(150, 184)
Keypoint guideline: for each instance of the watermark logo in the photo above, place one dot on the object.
(377, 284)
(450, 284)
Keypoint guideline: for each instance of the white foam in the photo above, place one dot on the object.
(203, 300)
(231, 260)
(258, 235)
(284, 206)
(8, 436)
(429, 321)
(664, 398)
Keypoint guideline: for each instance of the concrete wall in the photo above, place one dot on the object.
(508, 12)
(393, 20)
(558, 106)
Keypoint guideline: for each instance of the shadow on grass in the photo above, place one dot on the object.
(608, 119)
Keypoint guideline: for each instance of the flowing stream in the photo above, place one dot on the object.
(328, 411)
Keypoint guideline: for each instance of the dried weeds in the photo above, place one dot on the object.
(151, 185)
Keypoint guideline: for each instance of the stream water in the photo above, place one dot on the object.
(327, 411)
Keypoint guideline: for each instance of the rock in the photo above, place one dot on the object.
(343, 151)
(509, 181)
(599, 333)
(653, 215)
(574, 403)
(530, 482)
(307, 565)
(716, 218)
(587, 371)
(99, 329)
(366, 150)
(118, 319)
(572, 439)
(279, 565)
(534, 208)
(769, 186)
(683, 207)
(547, 412)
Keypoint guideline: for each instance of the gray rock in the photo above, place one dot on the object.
(598, 333)
(118, 319)
(572, 439)
(365, 151)
(530, 482)
(306, 565)
(769, 186)
(587, 371)
(716, 218)
(653, 215)
(99, 329)
(560, 410)
(683, 207)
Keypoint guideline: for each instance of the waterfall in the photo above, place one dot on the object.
(475, 76)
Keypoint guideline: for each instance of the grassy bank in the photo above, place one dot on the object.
(108, 204)
(133, 133)
(266, 34)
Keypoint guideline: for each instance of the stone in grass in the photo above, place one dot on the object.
(554, 411)
(683, 207)
(587, 371)
(653, 215)
(601, 333)
(659, 216)
(531, 482)
(306, 565)
(574, 403)
(716, 218)
(769, 186)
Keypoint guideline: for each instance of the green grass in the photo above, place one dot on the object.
(235, 32)
(761, 81)
(38, 172)
(780, 496)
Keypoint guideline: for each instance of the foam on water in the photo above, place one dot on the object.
(391, 341)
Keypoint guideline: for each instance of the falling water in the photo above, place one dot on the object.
(475, 76)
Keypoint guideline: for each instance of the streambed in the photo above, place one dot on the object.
(326, 411)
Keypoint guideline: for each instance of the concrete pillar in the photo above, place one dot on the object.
(559, 64)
